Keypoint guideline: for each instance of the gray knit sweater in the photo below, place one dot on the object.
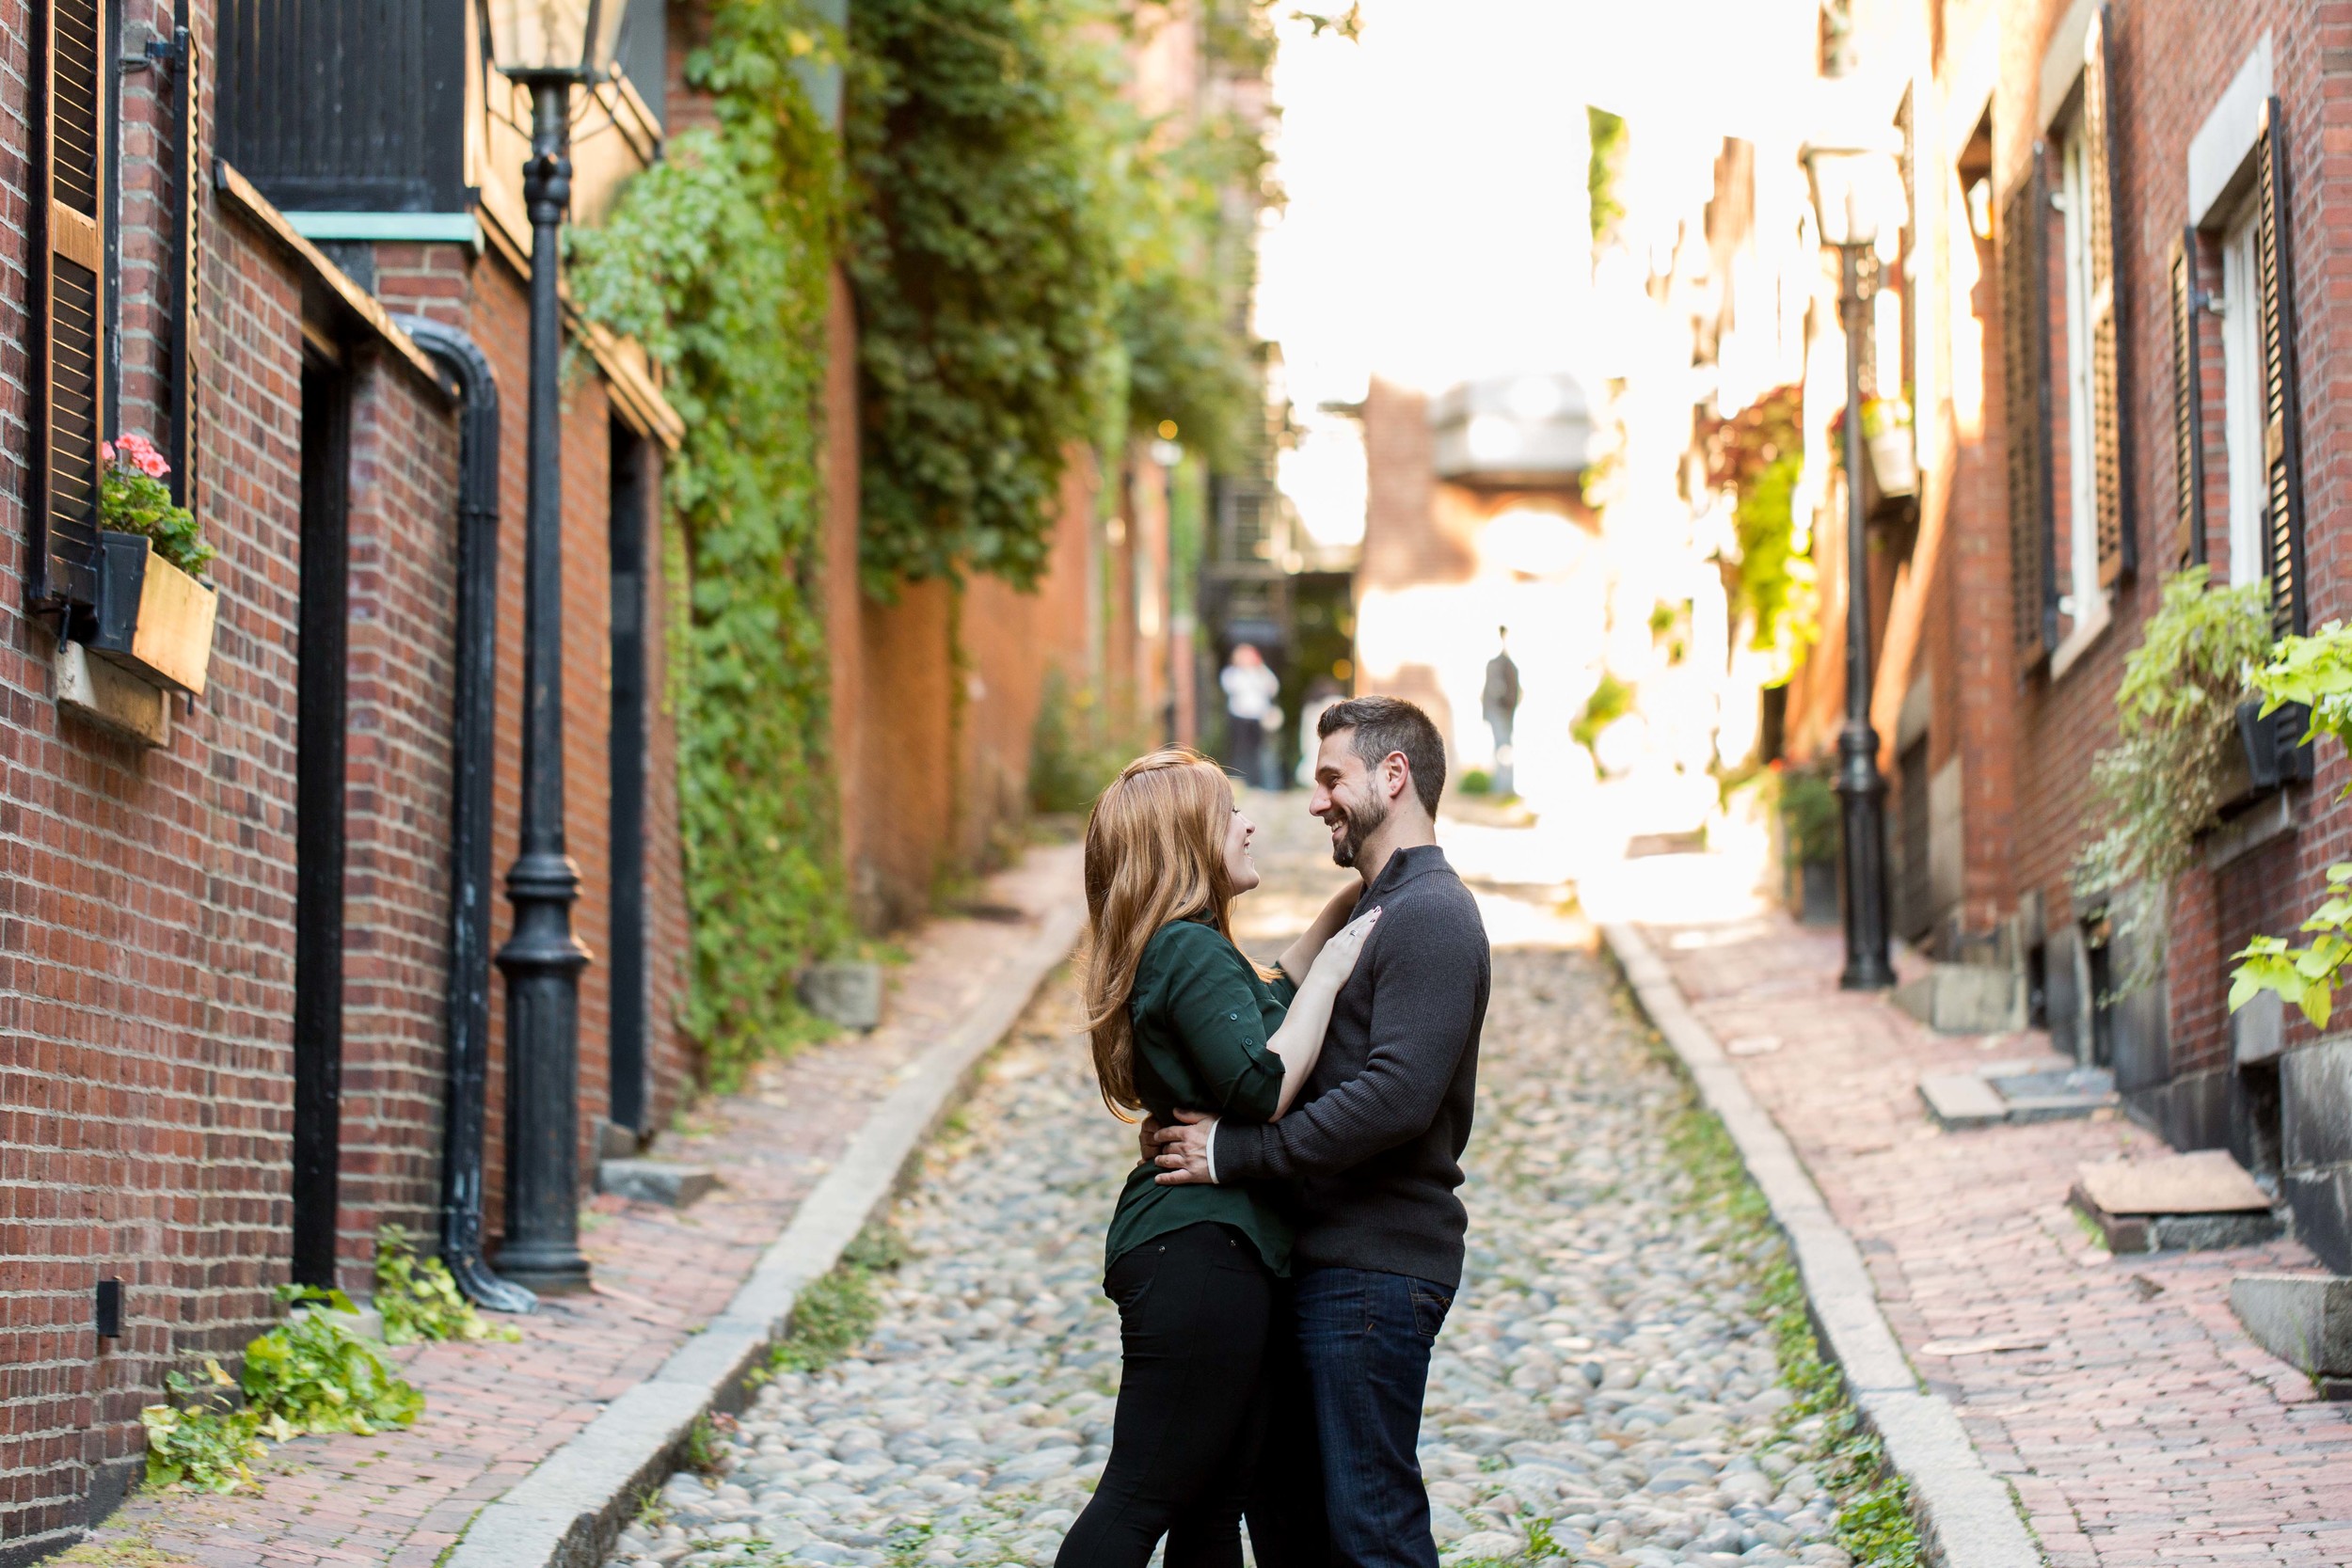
(1375, 1144)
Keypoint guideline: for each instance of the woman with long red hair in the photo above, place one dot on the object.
(1178, 1017)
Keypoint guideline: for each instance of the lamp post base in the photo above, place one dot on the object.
(1863, 793)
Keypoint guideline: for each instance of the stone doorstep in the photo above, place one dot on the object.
(2045, 1089)
(673, 1186)
(2304, 1320)
(2193, 1202)
(1963, 999)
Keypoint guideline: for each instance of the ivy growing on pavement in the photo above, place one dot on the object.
(718, 260)
(311, 1374)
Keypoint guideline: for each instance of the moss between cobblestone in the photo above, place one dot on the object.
(1874, 1519)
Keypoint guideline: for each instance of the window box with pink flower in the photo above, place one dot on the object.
(155, 612)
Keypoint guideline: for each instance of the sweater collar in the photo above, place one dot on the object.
(1404, 865)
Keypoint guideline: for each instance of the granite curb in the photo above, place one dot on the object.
(1967, 1517)
(569, 1511)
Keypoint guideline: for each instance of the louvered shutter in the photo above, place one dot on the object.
(2110, 498)
(2025, 385)
(2188, 407)
(2282, 421)
(70, 302)
(181, 362)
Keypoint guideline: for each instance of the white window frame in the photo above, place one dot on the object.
(2245, 409)
(2085, 603)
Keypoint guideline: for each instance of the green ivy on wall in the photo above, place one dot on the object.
(718, 261)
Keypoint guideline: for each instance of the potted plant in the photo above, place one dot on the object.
(155, 612)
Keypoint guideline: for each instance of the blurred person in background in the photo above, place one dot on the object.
(1250, 692)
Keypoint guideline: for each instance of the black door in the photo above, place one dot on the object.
(319, 816)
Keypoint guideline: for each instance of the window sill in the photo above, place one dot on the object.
(2079, 642)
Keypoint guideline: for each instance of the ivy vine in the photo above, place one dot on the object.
(718, 261)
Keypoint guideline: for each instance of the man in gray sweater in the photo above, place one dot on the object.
(1374, 1151)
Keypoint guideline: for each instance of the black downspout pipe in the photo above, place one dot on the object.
(472, 757)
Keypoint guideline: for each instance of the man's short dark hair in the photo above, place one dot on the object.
(1385, 724)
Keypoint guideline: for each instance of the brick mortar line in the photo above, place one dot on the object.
(1967, 1517)
(572, 1506)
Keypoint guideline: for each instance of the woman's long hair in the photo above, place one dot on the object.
(1154, 853)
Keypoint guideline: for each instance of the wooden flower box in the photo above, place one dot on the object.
(153, 619)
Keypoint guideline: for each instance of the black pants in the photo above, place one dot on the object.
(1194, 1306)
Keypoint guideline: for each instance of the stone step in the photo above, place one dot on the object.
(2047, 1088)
(662, 1181)
(2196, 1201)
(1964, 999)
(2304, 1320)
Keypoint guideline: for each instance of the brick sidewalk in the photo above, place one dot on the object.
(2145, 1429)
(493, 1411)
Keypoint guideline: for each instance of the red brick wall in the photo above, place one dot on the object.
(146, 968)
(401, 662)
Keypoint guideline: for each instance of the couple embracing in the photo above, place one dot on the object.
(1285, 1255)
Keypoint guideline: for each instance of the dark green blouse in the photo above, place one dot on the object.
(1201, 1018)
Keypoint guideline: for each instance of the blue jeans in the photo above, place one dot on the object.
(1348, 1414)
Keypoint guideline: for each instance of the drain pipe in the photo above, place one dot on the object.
(468, 370)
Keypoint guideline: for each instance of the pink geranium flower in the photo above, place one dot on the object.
(140, 454)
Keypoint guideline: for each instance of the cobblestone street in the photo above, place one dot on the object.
(1604, 1390)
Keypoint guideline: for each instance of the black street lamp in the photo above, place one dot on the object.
(1850, 186)
(550, 46)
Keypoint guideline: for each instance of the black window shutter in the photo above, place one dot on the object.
(2119, 554)
(2023, 257)
(2188, 407)
(2282, 420)
(68, 302)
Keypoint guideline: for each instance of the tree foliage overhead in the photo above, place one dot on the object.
(985, 279)
(1038, 265)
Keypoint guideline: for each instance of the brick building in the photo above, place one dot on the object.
(2116, 309)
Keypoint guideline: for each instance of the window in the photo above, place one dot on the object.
(2239, 305)
(2070, 519)
(2082, 602)
(2262, 444)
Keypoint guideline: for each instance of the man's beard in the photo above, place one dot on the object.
(1361, 825)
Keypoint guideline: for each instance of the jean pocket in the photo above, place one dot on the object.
(1430, 1306)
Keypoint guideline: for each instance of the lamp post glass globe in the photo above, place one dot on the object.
(570, 38)
(1856, 191)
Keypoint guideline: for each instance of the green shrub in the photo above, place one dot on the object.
(1075, 749)
(1475, 781)
(1811, 817)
